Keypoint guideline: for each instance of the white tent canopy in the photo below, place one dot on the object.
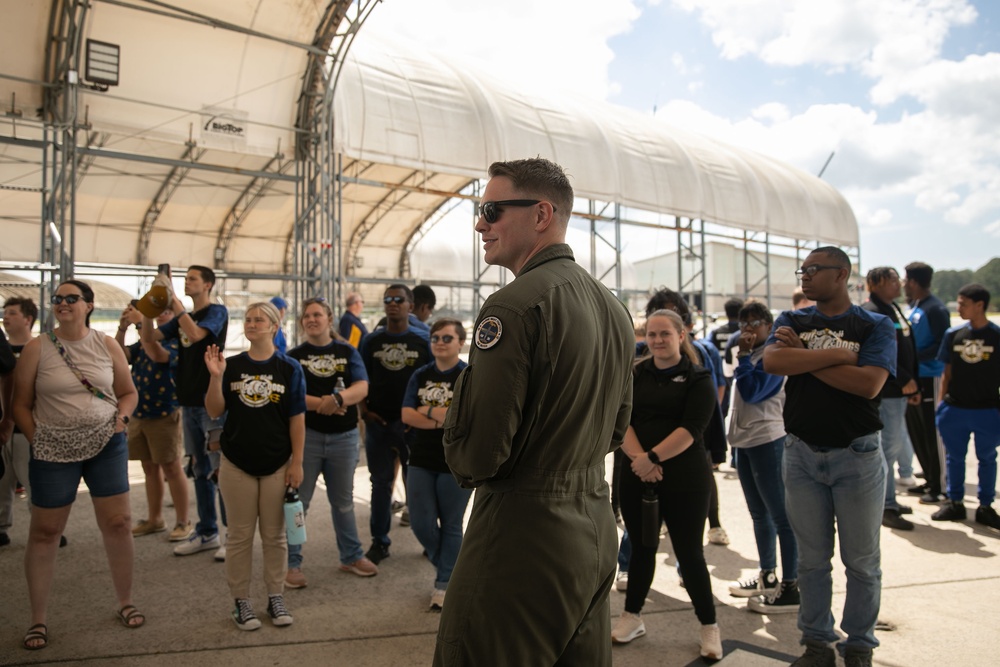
(415, 110)
(412, 129)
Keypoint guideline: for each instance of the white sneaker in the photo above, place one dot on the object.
(907, 482)
(711, 642)
(437, 599)
(621, 583)
(220, 553)
(195, 544)
(718, 535)
(627, 627)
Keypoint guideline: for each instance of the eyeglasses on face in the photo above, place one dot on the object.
(814, 269)
(69, 298)
(491, 210)
(394, 299)
(447, 338)
(753, 324)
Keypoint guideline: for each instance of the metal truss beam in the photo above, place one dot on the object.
(170, 184)
(245, 203)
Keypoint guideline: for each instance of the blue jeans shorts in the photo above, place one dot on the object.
(54, 485)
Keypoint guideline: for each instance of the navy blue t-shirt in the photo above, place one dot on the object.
(975, 366)
(390, 360)
(192, 374)
(816, 412)
(322, 366)
(429, 386)
(261, 398)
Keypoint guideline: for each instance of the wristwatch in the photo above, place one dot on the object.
(653, 457)
(124, 419)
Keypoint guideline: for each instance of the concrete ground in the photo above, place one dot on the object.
(941, 584)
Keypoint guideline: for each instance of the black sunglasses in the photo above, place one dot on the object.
(751, 325)
(394, 299)
(69, 298)
(491, 210)
(814, 269)
(447, 338)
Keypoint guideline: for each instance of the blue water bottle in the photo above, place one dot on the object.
(295, 517)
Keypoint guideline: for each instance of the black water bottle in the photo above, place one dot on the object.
(650, 516)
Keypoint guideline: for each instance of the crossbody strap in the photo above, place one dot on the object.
(78, 373)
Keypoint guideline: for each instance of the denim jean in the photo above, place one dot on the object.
(824, 485)
(905, 458)
(383, 444)
(624, 552)
(892, 412)
(956, 425)
(759, 469)
(197, 425)
(437, 506)
(335, 455)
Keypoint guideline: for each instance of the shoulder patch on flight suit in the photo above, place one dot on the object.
(488, 333)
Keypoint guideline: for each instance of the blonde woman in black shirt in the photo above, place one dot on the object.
(673, 401)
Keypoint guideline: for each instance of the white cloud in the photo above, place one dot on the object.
(993, 229)
(557, 44)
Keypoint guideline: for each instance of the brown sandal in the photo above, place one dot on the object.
(129, 613)
(34, 634)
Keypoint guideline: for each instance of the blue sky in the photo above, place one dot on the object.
(906, 92)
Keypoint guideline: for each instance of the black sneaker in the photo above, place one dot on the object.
(932, 499)
(760, 585)
(905, 509)
(950, 511)
(858, 658)
(378, 552)
(918, 490)
(987, 516)
(816, 655)
(893, 519)
(243, 615)
(783, 600)
(4, 539)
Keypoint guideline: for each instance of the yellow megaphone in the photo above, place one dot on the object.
(157, 299)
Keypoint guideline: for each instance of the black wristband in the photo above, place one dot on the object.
(653, 457)
(340, 400)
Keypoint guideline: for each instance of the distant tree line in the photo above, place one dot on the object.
(947, 282)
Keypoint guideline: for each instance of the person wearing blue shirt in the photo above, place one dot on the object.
(436, 501)
(971, 405)
(351, 328)
(336, 381)
(264, 393)
(391, 355)
(836, 356)
(929, 319)
(280, 343)
(757, 431)
(206, 325)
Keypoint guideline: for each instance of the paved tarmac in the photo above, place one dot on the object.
(941, 586)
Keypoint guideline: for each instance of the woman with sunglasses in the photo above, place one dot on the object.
(331, 443)
(436, 502)
(263, 391)
(673, 402)
(757, 432)
(72, 400)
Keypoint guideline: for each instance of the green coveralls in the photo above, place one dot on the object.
(547, 394)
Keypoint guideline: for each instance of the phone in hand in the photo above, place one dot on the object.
(164, 269)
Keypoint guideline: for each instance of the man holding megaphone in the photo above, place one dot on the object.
(205, 325)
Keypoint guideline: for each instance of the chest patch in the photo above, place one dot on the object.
(488, 333)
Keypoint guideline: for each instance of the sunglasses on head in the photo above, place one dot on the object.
(394, 299)
(69, 298)
(447, 338)
(491, 210)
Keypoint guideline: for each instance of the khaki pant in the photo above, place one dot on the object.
(254, 503)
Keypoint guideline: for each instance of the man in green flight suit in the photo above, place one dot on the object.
(547, 394)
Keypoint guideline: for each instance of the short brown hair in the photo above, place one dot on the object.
(27, 306)
(541, 178)
(442, 322)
